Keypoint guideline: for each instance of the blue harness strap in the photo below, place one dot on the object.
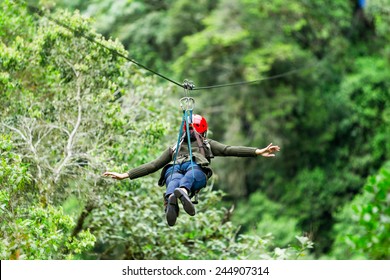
(187, 119)
(178, 141)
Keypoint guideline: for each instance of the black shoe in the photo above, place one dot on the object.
(186, 201)
(172, 210)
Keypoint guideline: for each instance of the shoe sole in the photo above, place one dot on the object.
(172, 212)
(185, 201)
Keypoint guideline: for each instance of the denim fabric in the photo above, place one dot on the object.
(182, 176)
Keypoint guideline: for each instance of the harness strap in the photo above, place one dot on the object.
(189, 120)
(178, 145)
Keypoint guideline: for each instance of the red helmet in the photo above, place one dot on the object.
(199, 123)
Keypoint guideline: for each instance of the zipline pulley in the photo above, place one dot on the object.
(188, 85)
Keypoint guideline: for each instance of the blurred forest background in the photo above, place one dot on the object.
(70, 110)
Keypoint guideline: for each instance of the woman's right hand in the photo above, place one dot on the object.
(115, 175)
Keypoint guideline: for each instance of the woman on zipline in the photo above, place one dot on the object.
(186, 168)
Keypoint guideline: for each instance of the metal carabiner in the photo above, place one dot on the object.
(187, 103)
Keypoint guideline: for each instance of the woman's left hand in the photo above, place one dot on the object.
(268, 151)
(115, 175)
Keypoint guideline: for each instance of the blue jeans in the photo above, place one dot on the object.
(182, 177)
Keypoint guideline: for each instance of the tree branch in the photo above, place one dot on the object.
(72, 135)
(17, 131)
(28, 139)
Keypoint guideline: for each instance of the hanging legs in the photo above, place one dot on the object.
(180, 184)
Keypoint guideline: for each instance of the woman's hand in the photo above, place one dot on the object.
(115, 175)
(268, 151)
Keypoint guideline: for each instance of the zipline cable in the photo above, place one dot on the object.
(185, 85)
(93, 40)
(258, 80)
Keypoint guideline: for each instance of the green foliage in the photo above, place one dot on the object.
(43, 233)
(330, 119)
(79, 110)
(152, 31)
(363, 225)
(65, 122)
(378, 12)
(330, 116)
(261, 216)
(366, 91)
(30, 231)
(131, 225)
(12, 171)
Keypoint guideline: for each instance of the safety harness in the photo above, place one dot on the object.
(187, 105)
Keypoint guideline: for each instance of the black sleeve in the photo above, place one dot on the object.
(222, 150)
(151, 167)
